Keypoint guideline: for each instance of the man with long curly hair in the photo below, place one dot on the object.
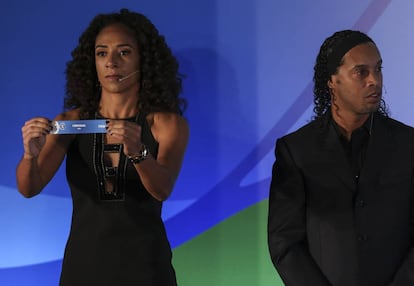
(341, 204)
(122, 73)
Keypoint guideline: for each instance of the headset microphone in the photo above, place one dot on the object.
(128, 76)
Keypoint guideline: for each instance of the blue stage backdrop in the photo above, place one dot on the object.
(248, 67)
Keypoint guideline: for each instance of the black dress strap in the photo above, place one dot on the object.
(141, 118)
(146, 135)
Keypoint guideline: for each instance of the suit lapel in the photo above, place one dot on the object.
(334, 154)
(378, 151)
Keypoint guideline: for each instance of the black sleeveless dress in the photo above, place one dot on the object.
(117, 238)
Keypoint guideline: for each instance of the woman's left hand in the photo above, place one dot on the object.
(127, 133)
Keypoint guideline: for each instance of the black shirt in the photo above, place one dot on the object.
(355, 149)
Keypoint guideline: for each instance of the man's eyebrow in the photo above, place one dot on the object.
(366, 65)
(359, 66)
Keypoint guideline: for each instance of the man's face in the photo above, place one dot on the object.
(356, 88)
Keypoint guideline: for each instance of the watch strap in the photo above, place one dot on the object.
(141, 156)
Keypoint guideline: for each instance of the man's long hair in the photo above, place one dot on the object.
(322, 96)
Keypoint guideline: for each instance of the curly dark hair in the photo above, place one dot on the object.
(160, 82)
(322, 96)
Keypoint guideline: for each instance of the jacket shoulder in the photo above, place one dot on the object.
(306, 132)
(395, 124)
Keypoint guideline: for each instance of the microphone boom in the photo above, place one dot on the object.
(128, 76)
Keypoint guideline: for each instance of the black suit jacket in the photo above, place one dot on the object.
(326, 227)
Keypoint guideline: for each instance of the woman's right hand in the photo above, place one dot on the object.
(34, 133)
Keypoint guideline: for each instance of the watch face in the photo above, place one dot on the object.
(143, 155)
(144, 151)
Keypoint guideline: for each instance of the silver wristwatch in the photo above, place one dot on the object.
(142, 155)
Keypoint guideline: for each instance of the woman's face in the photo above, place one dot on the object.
(117, 59)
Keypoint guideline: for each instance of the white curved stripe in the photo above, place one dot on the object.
(263, 169)
(34, 230)
(171, 207)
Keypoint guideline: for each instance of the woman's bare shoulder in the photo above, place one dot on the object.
(161, 119)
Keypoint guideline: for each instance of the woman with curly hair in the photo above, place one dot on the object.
(122, 72)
